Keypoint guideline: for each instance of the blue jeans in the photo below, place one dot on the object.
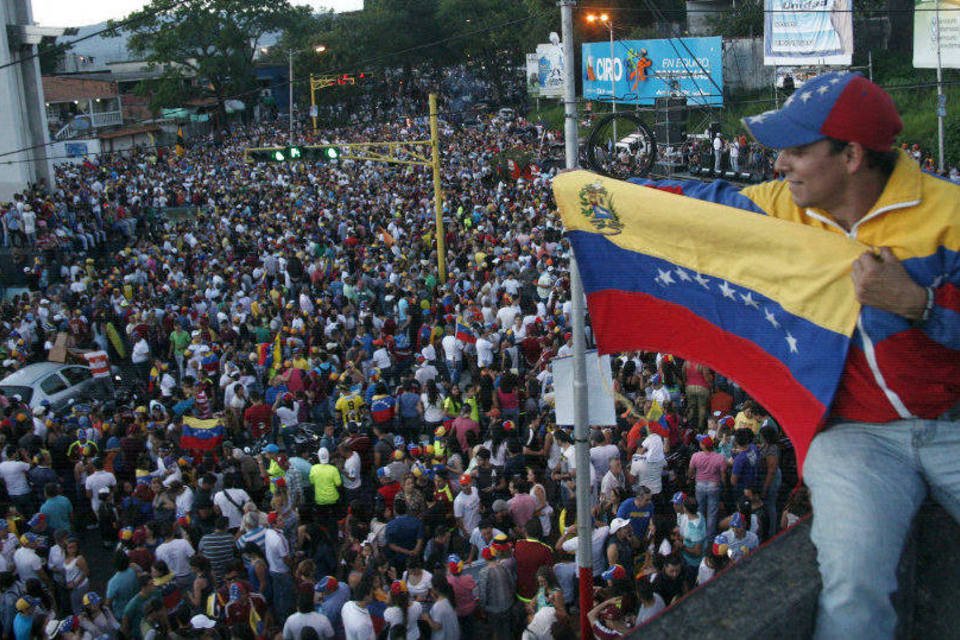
(453, 370)
(867, 482)
(283, 594)
(708, 503)
(770, 503)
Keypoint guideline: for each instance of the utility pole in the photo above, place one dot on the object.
(581, 417)
(290, 87)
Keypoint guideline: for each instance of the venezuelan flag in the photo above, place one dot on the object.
(464, 333)
(201, 435)
(264, 357)
(767, 303)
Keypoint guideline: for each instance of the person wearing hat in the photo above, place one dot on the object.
(96, 619)
(740, 540)
(326, 481)
(24, 621)
(330, 595)
(708, 469)
(497, 595)
(27, 562)
(842, 175)
(466, 506)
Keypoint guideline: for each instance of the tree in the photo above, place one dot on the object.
(212, 40)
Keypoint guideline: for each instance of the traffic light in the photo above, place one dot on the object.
(291, 154)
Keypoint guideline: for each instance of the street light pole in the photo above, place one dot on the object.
(290, 87)
(613, 85)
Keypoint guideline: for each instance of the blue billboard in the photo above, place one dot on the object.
(640, 71)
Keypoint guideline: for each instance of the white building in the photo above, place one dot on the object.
(23, 119)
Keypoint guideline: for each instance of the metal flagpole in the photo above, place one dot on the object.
(290, 87)
(941, 98)
(581, 418)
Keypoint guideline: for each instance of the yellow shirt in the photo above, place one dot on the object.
(743, 422)
(349, 407)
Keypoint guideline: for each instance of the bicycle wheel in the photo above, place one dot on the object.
(621, 146)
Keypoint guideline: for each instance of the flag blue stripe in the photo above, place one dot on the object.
(820, 353)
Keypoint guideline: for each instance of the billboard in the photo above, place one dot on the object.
(550, 70)
(532, 75)
(798, 32)
(640, 71)
(936, 23)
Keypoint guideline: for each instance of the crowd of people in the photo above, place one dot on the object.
(320, 437)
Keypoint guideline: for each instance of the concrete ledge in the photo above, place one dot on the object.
(770, 594)
(773, 593)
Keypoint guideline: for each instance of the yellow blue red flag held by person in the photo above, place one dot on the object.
(765, 302)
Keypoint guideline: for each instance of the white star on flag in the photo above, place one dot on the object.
(772, 319)
(664, 278)
(757, 119)
(792, 342)
(728, 291)
(822, 90)
(806, 95)
(749, 301)
(703, 282)
(835, 81)
(683, 275)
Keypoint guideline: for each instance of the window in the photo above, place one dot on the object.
(53, 384)
(76, 375)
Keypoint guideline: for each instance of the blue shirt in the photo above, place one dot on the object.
(333, 603)
(22, 626)
(121, 588)
(407, 404)
(57, 510)
(404, 531)
(639, 517)
(746, 466)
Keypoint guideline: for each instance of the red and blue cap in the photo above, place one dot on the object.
(616, 572)
(840, 105)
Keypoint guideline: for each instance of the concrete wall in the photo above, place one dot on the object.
(773, 593)
(73, 151)
(23, 118)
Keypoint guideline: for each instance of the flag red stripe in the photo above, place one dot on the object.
(626, 321)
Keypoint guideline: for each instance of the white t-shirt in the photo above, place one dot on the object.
(296, 623)
(98, 480)
(14, 473)
(647, 612)
(351, 472)
(539, 626)
(381, 358)
(420, 589)
(230, 512)
(27, 562)
(176, 553)
(452, 348)
(484, 352)
(393, 616)
(357, 624)
(467, 507)
(276, 550)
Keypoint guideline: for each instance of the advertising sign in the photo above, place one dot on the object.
(936, 24)
(533, 75)
(550, 70)
(640, 71)
(797, 32)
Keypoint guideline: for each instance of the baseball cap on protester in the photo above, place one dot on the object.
(737, 521)
(616, 572)
(618, 523)
(327, 584)
(840, 105)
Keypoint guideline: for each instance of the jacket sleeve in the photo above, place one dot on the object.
(943, 325)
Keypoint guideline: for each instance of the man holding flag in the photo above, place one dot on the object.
(838, 311)
(181, 147)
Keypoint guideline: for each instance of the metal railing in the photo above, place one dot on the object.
(88, 122)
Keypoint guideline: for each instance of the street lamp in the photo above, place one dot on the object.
(605, 19)
(320, 48)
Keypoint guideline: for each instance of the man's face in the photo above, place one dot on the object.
(642, 500)
(815, 174)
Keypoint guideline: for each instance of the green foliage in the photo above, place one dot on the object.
(213, 40)
(741, 21)
(51, 55)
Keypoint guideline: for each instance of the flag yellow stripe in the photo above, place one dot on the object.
(806, 270)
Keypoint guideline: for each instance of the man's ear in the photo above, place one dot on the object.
(855, 157)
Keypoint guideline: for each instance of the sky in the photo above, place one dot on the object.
(70, 13)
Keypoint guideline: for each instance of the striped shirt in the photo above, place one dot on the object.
(219, 548)
(255, 536)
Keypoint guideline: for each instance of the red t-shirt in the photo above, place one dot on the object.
(530, 556)
(256, 415)
(389, 492)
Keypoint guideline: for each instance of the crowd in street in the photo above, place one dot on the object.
(317, 436)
